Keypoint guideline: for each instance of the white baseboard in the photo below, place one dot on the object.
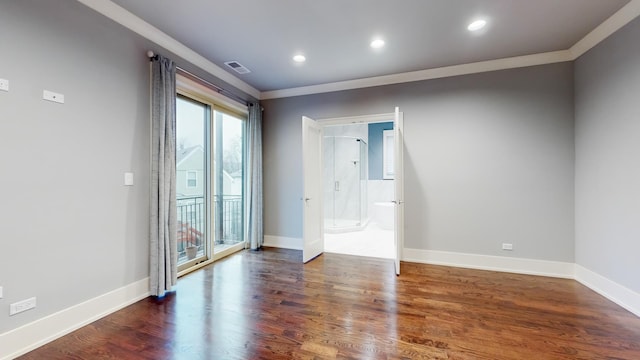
(613, 291)
(282, 242)
(488, 262)
(35, 334)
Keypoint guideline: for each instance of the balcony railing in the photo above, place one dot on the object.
(227, 220)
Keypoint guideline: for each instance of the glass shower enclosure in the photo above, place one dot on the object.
(345, 183)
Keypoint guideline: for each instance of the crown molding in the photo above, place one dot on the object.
(150, 32)
(616, 21)
(441, 72)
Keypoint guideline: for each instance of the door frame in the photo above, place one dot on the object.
(190, 89)
(398, 166)
(369, 119)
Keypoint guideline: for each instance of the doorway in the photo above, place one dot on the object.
(313, 231)
(358, 193)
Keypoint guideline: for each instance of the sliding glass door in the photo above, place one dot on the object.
(192, 177)
(210, 166)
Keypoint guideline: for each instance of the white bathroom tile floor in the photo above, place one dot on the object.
(372, 242)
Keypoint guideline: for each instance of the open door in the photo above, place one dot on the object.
(398, 237)
(313, 220)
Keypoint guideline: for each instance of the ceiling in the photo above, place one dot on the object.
(334, 35)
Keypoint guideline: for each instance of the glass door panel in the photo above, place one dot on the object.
(228, 181)
(191, 181)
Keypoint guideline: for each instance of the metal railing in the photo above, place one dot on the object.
(191, 216)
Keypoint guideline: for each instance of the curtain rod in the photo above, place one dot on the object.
(195, 77)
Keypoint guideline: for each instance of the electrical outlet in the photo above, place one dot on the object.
(4, 84)
(51, 96)
(21, 306)
(506, 246)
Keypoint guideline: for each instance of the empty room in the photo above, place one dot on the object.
(424, 179)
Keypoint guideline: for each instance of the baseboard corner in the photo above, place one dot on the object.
(619, 294)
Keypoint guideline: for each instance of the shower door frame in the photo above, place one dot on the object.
(354, 222)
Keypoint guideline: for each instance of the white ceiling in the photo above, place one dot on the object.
(334, 35)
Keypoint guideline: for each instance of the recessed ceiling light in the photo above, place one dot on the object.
(299, 58)
(377, 43)
(477, 25)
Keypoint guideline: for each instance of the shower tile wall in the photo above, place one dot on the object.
(354, 130)
(347, 171)
(379, 191)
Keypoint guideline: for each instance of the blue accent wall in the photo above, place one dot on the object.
(375, 148)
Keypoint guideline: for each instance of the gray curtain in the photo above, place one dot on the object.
(163, 240)
(255, 232)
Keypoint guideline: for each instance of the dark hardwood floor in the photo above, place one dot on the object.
(267, 305)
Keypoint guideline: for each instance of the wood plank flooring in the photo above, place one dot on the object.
(267, 305)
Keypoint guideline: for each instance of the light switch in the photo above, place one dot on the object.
(51, 96)
(128, 179)
(4, 84)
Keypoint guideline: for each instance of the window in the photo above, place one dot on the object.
(192, 179)
(210, 168)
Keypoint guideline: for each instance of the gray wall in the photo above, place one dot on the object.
(607, 151)
(488, 159)
(70, 230)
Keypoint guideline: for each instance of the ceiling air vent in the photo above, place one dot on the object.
(237, 67)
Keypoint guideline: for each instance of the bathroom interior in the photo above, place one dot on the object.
(358, 189)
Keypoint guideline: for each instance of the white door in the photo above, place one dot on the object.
(313, 221)
(398, 237)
